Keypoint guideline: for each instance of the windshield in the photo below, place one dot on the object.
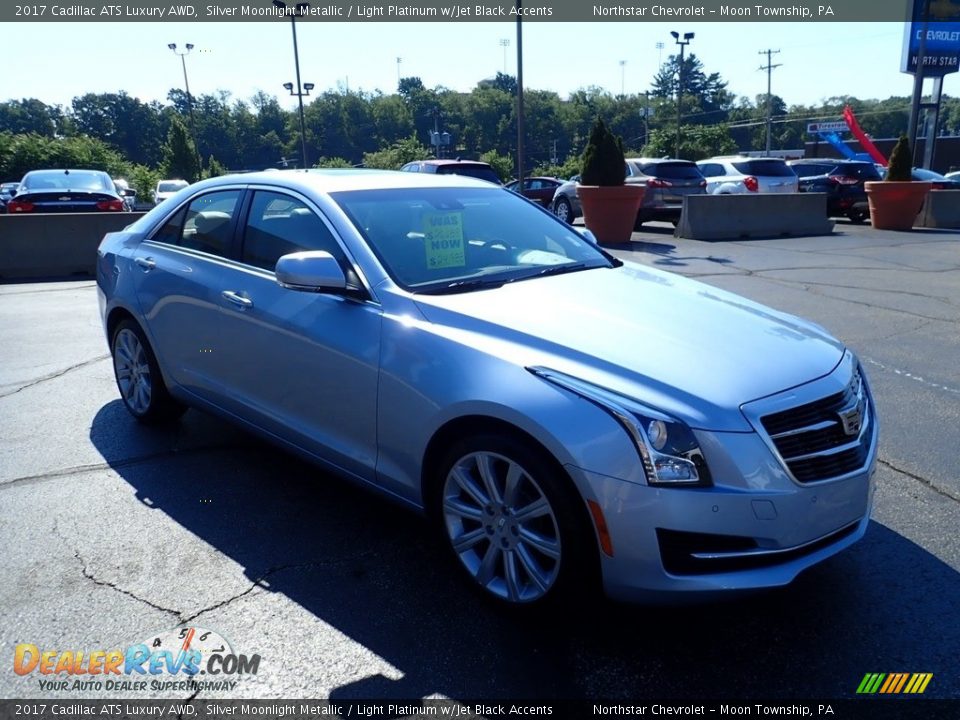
(449, 239)
(676, 170)
(774, 168)
(481, 172)
(75, 180)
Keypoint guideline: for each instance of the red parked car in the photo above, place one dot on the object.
(538, 189)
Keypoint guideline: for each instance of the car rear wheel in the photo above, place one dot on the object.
(511, 520)
(857, 216)
(138, 376)
(563, 210)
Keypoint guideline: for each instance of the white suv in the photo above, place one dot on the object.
(741, 174)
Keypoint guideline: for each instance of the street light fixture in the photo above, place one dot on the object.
(298, 9)
(687, 37)
(504, 43)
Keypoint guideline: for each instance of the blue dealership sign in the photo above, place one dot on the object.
(941, 54)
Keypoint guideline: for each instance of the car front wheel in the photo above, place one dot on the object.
(511, 521)
(138, 376)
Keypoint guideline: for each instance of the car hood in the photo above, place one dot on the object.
(684, 347)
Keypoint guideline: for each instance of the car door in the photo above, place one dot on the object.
(177, 271)
(301, 365)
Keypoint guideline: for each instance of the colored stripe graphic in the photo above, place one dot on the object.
(894, 683)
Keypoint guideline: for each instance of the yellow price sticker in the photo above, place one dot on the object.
(443, 240)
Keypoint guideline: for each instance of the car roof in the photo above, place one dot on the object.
(650, 160)
(64, 171)
(456, 161)
(336, 180)
(838, 161)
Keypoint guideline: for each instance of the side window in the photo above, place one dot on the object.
(711, 170)
(208, 222)
(280, 224)
(172, 229)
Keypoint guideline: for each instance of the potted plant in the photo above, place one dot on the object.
(610, 207)
(896, 200)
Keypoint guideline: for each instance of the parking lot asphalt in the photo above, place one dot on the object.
(112, 533)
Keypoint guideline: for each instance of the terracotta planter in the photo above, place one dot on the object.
(610, 212)
(894, 204)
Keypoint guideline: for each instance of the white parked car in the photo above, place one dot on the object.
(741, 174)
(166, 188)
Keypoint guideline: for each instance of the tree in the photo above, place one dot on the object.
(180, 158)
(696, 142)
(705, 97)
(134, 128)
(397, 155)
(28, 116)
(502, 164)
(214, 168)
(602, 158)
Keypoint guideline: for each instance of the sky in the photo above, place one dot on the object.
(56, 61)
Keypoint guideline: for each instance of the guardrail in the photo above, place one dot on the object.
(733, 217)
(55, 245)
(941, 209)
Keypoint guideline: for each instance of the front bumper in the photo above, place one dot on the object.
(790, 532)
(756, 527)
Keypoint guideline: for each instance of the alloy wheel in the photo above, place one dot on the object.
(502, 527)
(133, 371)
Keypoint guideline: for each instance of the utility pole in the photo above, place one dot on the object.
(769, 68)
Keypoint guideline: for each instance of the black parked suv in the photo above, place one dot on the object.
(841, 180)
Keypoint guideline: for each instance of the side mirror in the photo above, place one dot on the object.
(587, 235)
(310, 271)
(128, 192)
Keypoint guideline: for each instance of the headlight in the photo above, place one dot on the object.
(667, 447)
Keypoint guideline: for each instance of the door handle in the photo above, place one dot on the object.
(146, 263)
(237, 299)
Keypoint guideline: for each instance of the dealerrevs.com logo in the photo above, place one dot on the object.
(171, 660)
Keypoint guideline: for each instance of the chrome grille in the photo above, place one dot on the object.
(825, 438)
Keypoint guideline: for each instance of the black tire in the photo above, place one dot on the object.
(509, 531)
(138, 377)
(857, 216)
(563, 210)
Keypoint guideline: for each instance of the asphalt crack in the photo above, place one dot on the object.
(181, 617)
(55, 375)
(116, 464)
(85, 571)
(922, 480)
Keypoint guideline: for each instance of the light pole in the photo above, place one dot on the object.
(299, 9)
(623, 65)
(399, 60)
(687, 37)
(659, 47)
(504, 43)
(186, 83)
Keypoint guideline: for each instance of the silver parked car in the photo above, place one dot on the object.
(740, 174)
(566, 420)
(667, 182)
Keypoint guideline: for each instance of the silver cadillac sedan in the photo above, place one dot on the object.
(567, 421)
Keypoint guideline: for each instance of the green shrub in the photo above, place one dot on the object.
(900, 167)
(603, 160)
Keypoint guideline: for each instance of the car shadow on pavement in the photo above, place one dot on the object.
(374, 573)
